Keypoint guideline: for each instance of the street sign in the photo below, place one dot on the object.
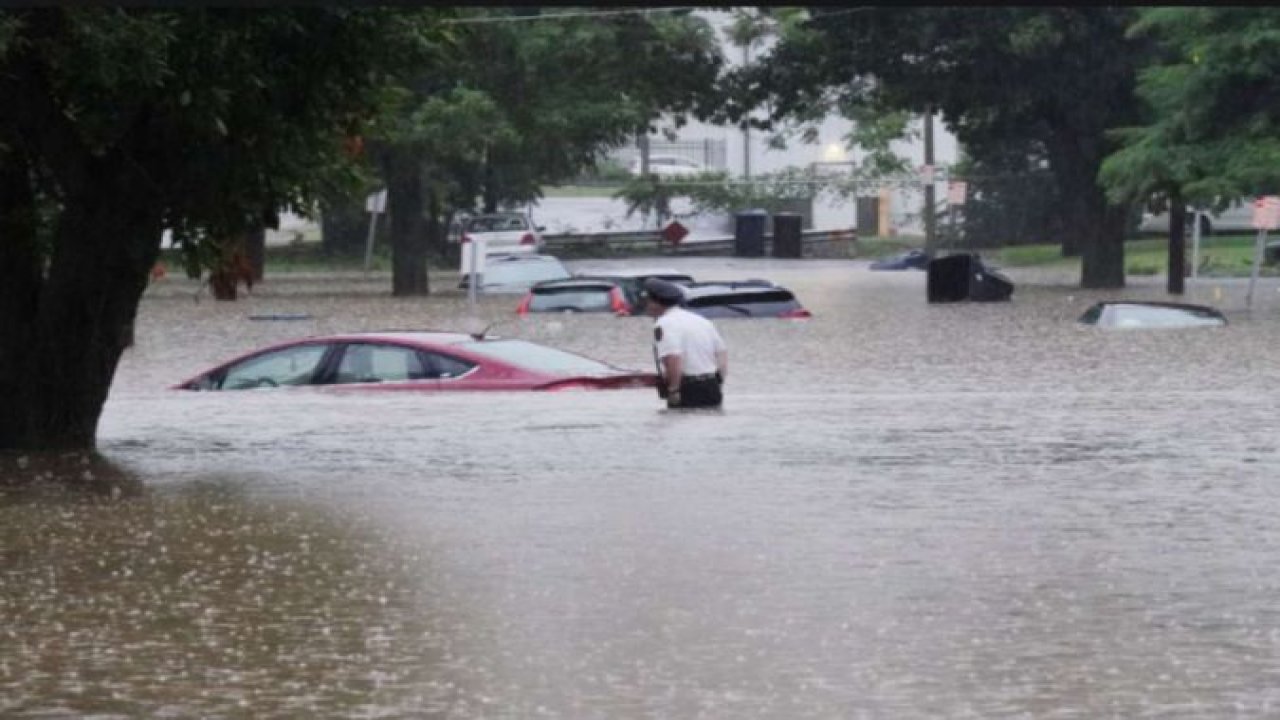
(1266, 213)
(376, 202)
(475, 251)
(926, 174)
(956, 190)
(674, 232)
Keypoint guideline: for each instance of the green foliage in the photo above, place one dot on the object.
(1057, 77)
(605, 171)
(1212, 129)
(118, 122)
(233, 113)
(715, 192)
(649, 195)
(1012, 199)
(524, 105)
(1141, 268)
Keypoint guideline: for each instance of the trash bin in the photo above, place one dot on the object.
(960, 277)
(788, 241)
(1271, 253)
(748, 233)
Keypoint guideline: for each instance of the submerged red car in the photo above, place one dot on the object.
(417, 361)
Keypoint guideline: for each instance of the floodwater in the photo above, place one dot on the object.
(903, 511)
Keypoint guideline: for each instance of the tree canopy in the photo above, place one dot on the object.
(1212, 130)
(1055, 77)
(120, 122)
(524, 104)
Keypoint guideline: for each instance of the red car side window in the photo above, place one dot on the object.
(446, 366)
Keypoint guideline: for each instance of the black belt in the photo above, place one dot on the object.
(699, 378)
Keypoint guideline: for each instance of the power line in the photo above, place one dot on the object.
(558, 16)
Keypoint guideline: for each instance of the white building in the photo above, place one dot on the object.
(747, 153)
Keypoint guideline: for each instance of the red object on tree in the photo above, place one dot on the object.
(674, 232)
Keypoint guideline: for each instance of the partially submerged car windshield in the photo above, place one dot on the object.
(1151, 315)
(523, 272)
(586, 298)
(766, 301)
(538, 357)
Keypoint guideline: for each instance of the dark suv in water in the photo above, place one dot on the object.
(620, 292)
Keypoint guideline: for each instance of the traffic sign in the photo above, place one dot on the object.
(1266, 213)
(674, 232)
(956, 190)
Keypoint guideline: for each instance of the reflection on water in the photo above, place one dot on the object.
(198, 601)
(903, 511)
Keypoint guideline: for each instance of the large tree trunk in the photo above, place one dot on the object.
(1102, 258)
(20, 277)
(255, 248)
(1097, 225)
(407, 230)
(79, 322)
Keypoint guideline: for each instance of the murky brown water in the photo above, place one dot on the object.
(904, 511)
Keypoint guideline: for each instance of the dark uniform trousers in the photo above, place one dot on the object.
(700, 391)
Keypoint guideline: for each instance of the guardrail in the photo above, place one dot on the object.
(814, 244)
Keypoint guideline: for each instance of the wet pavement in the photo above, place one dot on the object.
(903, 511)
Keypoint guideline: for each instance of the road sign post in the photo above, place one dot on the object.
(956, 191)
(1266, 216)
(375, 204)
(473, 262)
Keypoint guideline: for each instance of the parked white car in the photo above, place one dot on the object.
(509, 232)
(1237, 218)
(669, 166)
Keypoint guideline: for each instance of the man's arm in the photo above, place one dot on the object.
(673, 371)
(722, 364)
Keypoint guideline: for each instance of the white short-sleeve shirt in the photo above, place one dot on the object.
(691, 336)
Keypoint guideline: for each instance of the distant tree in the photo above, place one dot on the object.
(1057, 76)
(1212, 131)
(519, 105)
(118, 123)
(1212, 128)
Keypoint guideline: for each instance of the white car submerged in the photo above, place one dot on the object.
(669, 166)
(508, 232)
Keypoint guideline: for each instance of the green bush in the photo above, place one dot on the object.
(606, 172)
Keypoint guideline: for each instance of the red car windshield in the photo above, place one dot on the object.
(538, 358)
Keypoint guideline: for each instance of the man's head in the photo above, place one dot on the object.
(662, 295)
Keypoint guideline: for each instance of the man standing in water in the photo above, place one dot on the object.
(692, 358)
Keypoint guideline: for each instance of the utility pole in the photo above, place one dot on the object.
(930, 222)
(642, 144)
(746, 129)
